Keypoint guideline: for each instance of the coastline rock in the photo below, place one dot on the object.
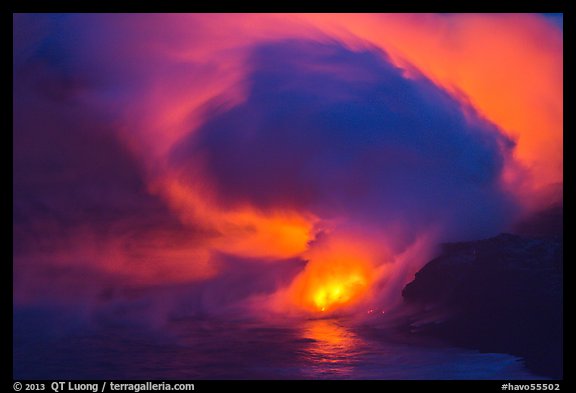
(502, 294)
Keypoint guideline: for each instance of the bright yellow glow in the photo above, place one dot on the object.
(338, 290)
(339, 274)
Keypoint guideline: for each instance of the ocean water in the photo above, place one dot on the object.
(217, 349)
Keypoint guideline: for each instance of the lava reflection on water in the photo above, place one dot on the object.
(332, 348)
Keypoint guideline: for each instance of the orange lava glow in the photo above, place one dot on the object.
(339, 274)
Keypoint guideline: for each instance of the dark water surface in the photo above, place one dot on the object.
(209, 349)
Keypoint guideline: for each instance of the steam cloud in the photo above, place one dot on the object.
(234, 166)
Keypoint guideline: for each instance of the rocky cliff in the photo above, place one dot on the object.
(502, 294)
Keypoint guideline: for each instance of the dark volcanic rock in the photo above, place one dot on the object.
(502, 294)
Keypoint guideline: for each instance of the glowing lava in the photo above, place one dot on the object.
(339, 274)
(338, 290)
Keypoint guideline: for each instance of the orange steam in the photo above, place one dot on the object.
(509, 67)
(243, 230)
